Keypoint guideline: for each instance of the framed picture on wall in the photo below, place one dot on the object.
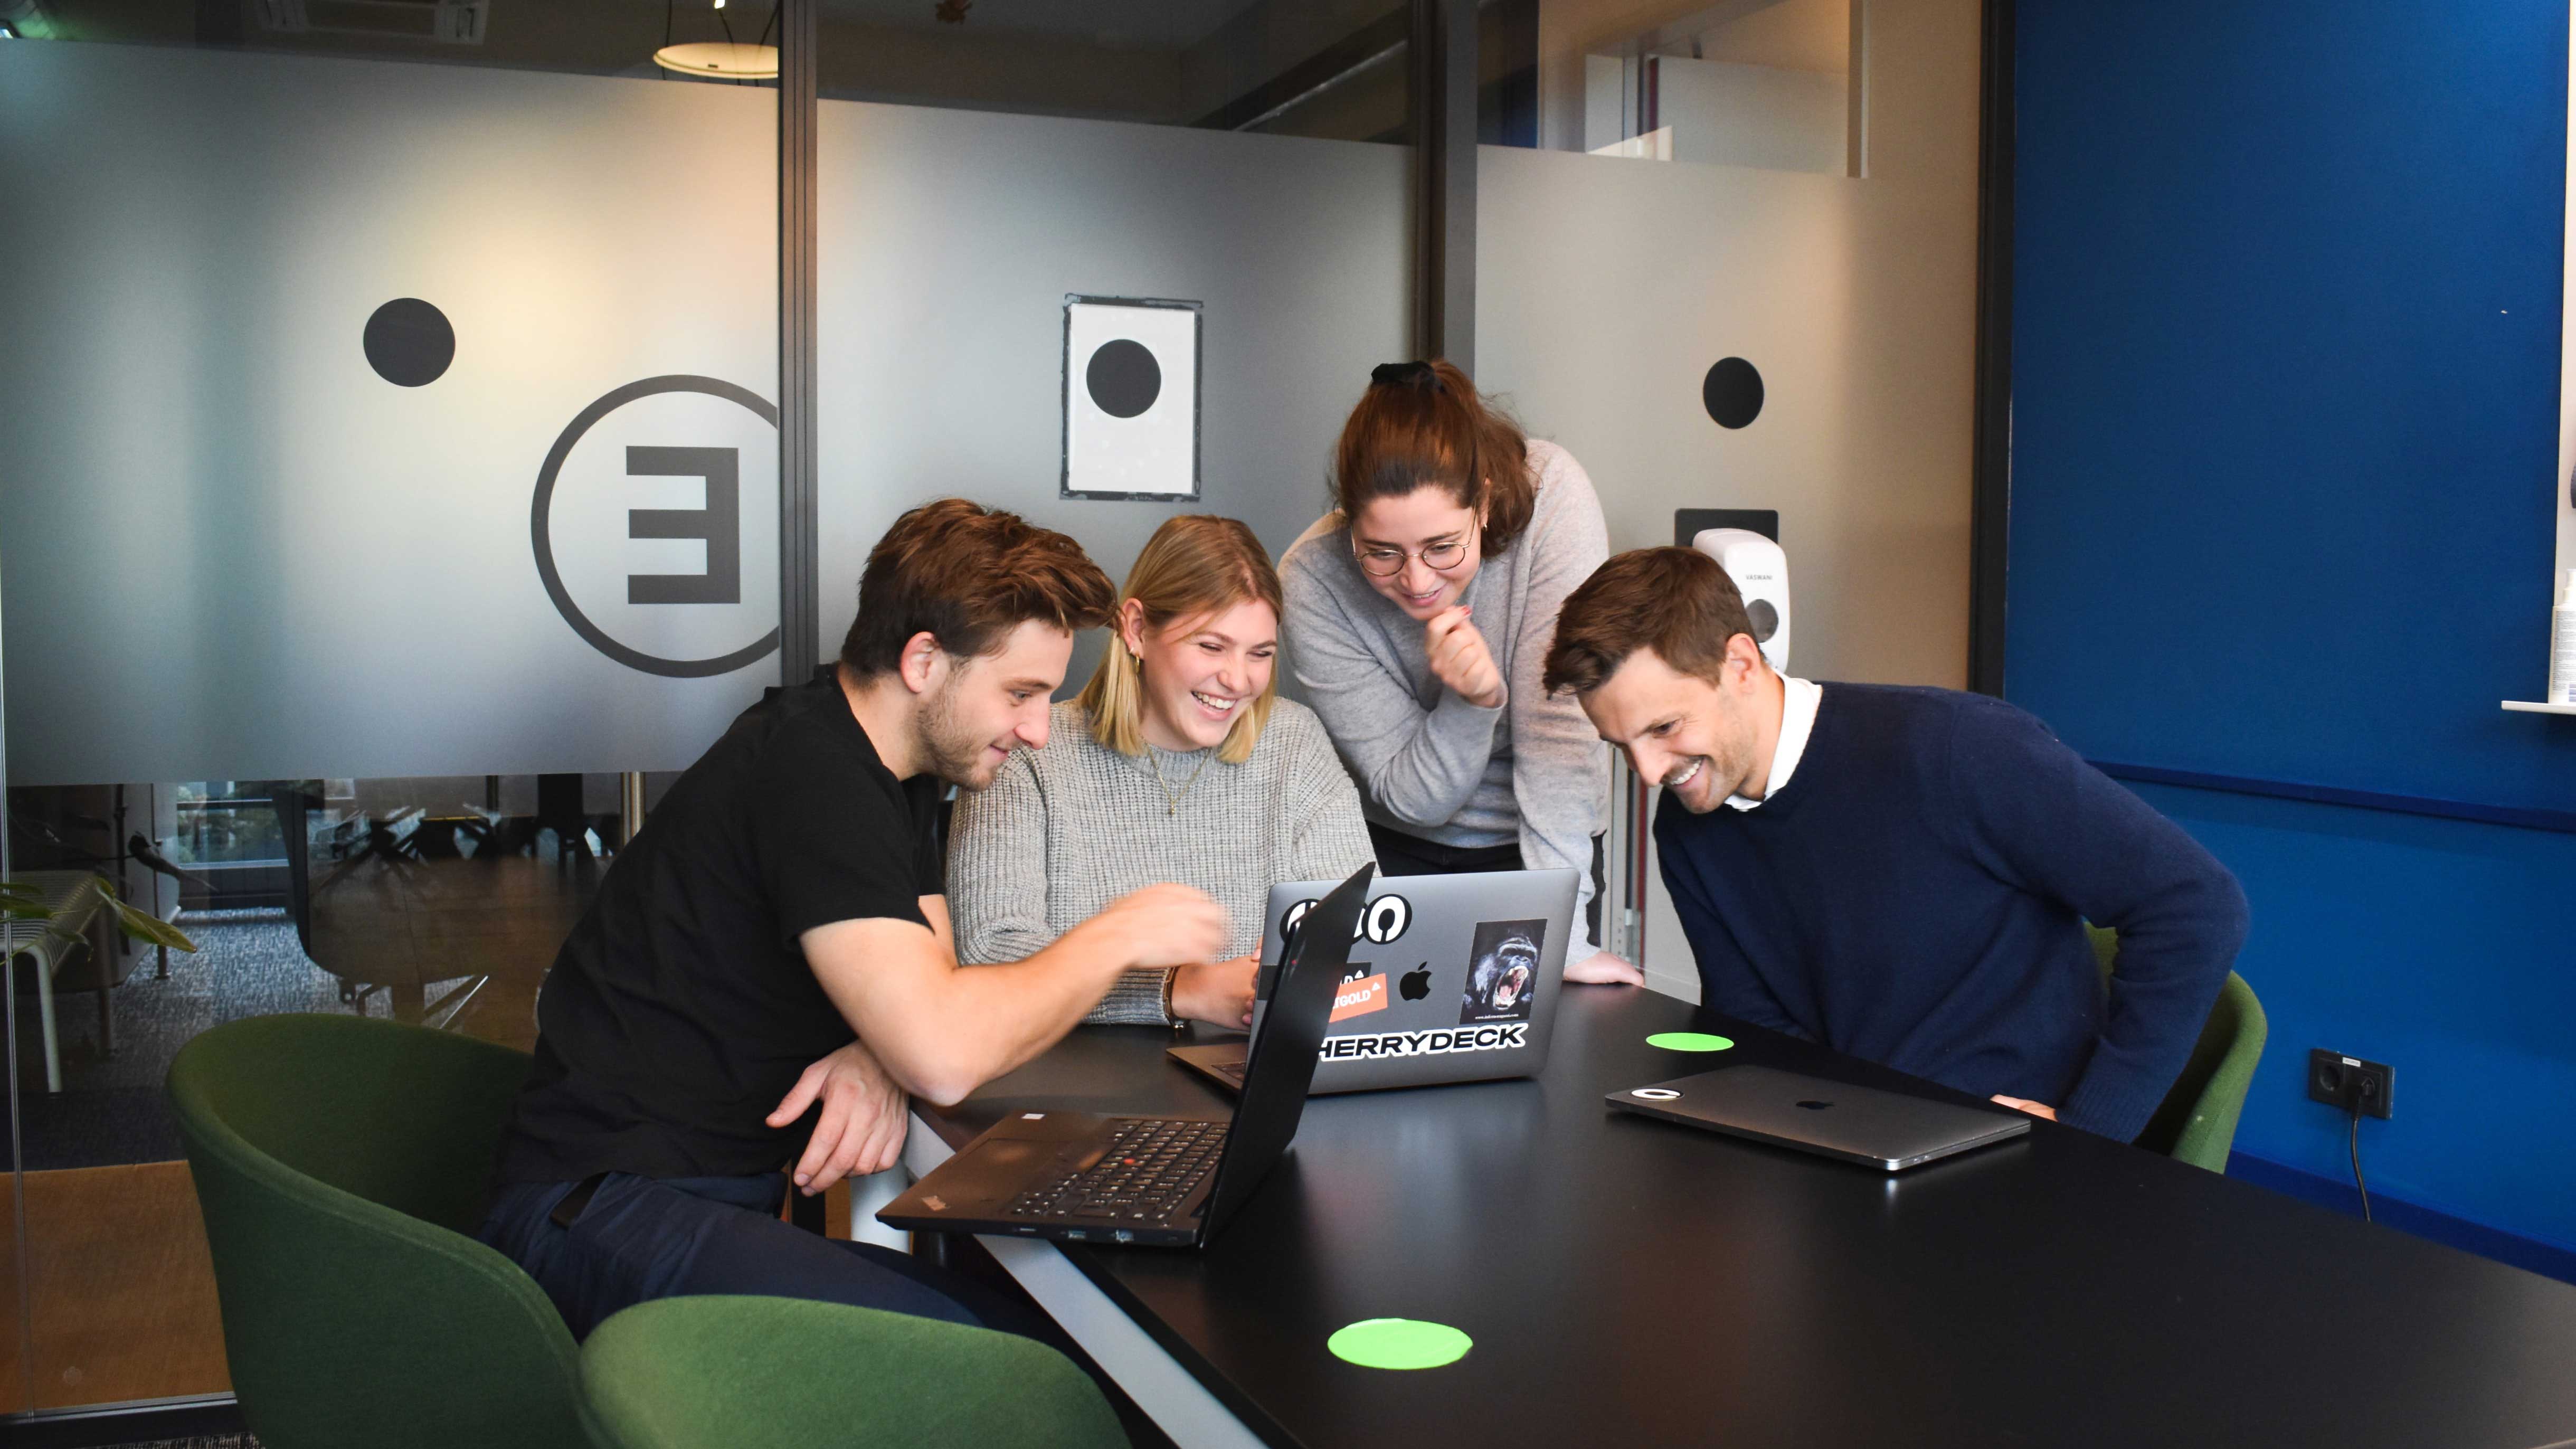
(1131, 398)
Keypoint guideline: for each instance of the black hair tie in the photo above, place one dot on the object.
(1396, 374)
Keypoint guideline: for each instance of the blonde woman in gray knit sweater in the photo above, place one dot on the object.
(1179, 762)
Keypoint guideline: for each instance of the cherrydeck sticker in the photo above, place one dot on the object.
(1502, 974)
(1426, 1043)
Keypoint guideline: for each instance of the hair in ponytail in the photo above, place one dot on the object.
(1423, 423)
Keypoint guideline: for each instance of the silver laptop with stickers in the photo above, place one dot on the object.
(1452, 978)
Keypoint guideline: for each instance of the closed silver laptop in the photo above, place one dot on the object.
(1452, 978)
(1886, 1130)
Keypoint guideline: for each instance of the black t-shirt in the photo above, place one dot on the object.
(681, 1008)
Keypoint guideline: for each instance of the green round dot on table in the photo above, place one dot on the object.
(1399, 1343)
(1688, 1041)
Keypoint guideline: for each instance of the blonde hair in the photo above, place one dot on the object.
(1194, 566)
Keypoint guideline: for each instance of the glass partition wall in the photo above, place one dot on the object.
(386, 504)
(386, 510)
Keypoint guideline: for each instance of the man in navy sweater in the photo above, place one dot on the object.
(1900, 874)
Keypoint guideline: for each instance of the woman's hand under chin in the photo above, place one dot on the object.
(1218, 993)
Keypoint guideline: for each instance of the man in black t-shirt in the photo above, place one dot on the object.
(768, 961)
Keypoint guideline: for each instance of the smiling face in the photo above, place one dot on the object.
(981, 708)
(1395, 533)
(1702, 741)
(1200, 675)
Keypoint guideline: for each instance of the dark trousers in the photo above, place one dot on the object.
(1402, 854)
(640, 1238)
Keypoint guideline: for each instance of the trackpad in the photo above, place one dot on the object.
(1001, 1167)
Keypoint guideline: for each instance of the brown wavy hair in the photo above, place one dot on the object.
(1424, 423)
(1677, 602)
(966, 575)
(1196, 565)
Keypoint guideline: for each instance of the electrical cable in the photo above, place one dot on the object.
(2356, 1163)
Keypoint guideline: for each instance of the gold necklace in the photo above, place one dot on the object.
(1154, 760)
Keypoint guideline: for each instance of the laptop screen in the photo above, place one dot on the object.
(1284, 1046)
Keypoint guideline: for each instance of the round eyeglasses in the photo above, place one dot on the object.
(1386, 563)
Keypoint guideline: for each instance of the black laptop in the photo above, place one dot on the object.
(1169, 1181)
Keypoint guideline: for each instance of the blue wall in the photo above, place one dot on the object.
(2285, 351)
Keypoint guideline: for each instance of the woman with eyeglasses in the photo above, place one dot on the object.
(1418, 614)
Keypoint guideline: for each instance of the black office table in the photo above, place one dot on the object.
(1631, 1282)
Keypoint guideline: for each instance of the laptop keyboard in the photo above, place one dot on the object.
(1149, 1170)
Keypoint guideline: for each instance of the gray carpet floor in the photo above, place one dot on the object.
(248, 963)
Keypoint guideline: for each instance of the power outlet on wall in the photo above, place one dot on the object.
(2351, 1084)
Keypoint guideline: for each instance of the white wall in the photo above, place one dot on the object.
(1725, 114)
(234, 551)
(950, 240)
(1607, 288)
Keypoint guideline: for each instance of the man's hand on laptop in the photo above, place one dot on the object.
(1218, 993)
(862, 1124)
(1604, 969)
(1162, 925)
(2033, 1108)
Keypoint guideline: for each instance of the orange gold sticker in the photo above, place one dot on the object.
(1359, 998)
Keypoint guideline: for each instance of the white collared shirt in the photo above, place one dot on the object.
(1798, 701)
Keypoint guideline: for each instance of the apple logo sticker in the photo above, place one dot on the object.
(1415, 984)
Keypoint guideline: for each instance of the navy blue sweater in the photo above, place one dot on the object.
(1916, 893)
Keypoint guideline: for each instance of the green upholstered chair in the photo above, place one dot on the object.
(341, 1163)
(719, 1372)
(2197, 1121)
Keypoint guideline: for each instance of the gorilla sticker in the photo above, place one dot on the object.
(1502, 971)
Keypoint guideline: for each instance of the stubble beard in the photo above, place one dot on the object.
(955, 753)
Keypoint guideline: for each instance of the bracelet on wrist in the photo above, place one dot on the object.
(1171, 977)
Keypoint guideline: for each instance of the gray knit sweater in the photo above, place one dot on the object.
(1063, 831)
(1530, 772)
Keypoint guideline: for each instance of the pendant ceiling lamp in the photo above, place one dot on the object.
(720, 60)
(725, 59)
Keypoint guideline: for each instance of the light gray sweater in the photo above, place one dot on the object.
(1530, 772)
(1065, 830)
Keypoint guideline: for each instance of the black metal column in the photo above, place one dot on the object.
(1990, 500)
(798, 602)
(1444, 133)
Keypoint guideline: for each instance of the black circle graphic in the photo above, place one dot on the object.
(409, 342)
(1732, 392)
(1123, 377)
(1764, 618)
(541, 531)
(1386, 918)
(1296, 913)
